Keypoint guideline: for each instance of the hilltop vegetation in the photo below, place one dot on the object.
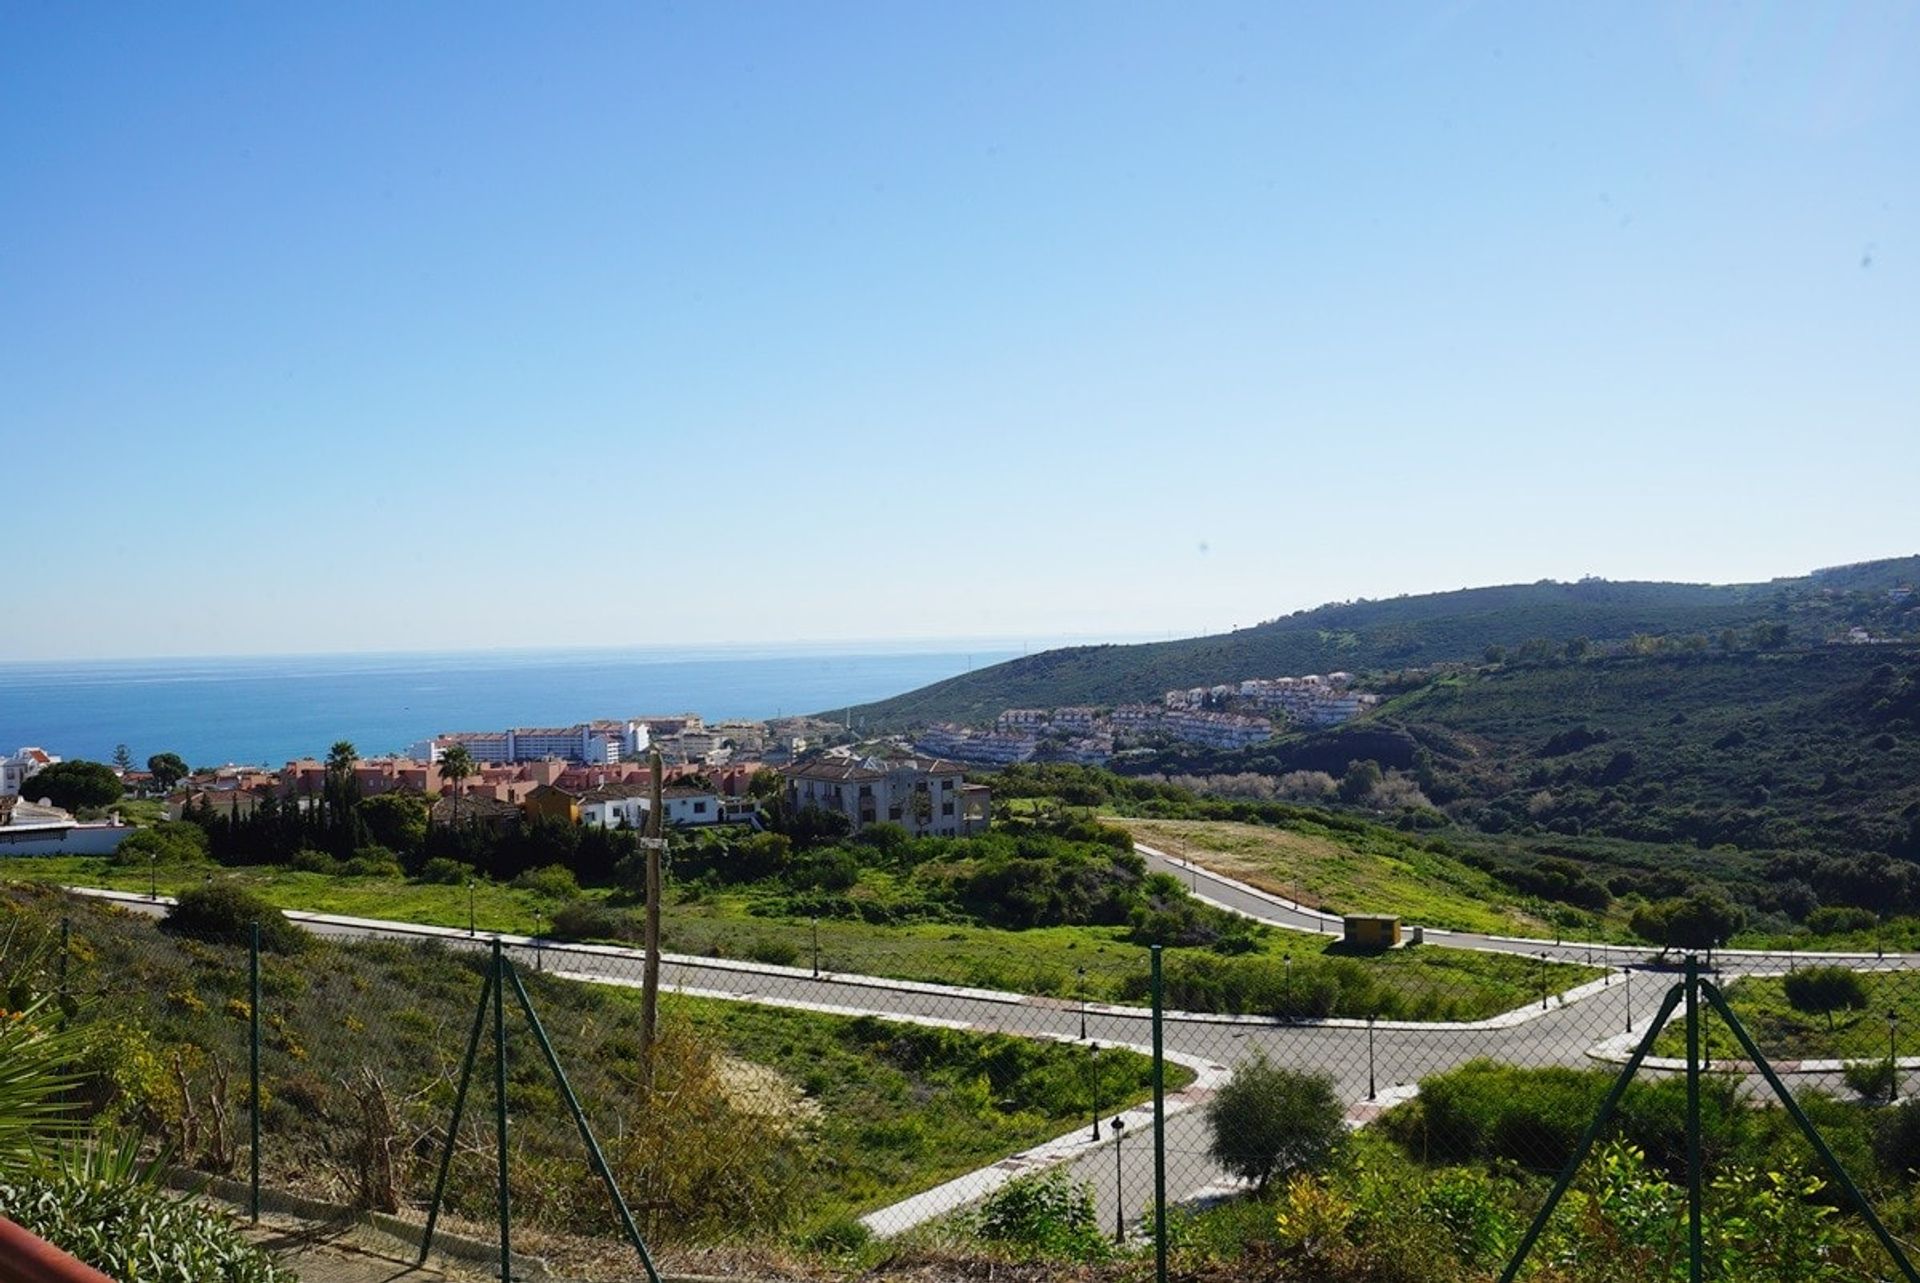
(1406, 632)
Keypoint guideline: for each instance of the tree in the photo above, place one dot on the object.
(122, 758)
(1770, 636)
(1361, 779)
(74, 785)
(167, 769)
(397, 821)
(1699, 920)
(340, 760)
(456, 767)
(225, 913)
(1268, 1121)
(1817, 990)
(1578, 649)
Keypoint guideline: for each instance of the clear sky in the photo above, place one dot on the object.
(374, 326)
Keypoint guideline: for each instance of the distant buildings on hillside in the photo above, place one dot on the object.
(1228, 716)
(680, 737)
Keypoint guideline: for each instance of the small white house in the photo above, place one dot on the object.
(611, 806)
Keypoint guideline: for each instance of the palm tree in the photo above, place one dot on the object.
(340, 759)
(456, 766)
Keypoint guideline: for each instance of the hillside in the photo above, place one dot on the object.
(1814, 749)
(1405, 632)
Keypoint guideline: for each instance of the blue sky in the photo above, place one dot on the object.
(339, 327)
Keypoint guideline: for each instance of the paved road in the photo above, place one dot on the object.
(1379, 1063)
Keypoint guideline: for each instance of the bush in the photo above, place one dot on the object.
(554, 881)
(444, 872)
(308, 860)
(1819, 990)
(593, 920)
(1048, 1213)
(372, 862)
(171, 843)
(1896, 1138)
(1269, 1120)
(1871, 1080)
(774, 952)
(224, 914)
(74, 786)
(1839, 919)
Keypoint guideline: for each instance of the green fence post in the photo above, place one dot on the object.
(1159, 1128)
(1745, 1040)
(253, 1069)
(500, 1104)
(459, 1105)
(604, 1172)
(1693, 1119)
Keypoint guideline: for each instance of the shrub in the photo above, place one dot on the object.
(308, 860)
(1896, 1137)
(1871, 1080)
(224, 914)
(1839, 919)
(1269, 1120)
(372, 862)
(554, 881)
(593, 920)
(74, 785)
(444, 872)
(1048, 1213)
(774, 952)
(1825, 990)
(171, 843)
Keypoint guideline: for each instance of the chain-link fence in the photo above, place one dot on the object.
(1320, 1099)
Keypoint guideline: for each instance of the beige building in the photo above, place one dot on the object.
(927, 796)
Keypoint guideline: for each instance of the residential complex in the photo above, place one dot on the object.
(599, 743)
(927, 796)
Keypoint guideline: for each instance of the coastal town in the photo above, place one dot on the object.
(598, 772)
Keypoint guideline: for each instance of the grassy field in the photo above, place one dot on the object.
(1761, 1003)
(1340, 874)
(782, 1119)
(1043, 960)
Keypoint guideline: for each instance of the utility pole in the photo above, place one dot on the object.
(650, 975)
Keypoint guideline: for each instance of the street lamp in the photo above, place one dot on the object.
(1093, 1087)
(153, 875)
(1628, 969)
(1287, 985)
(472, 924)
(816, 948)
(1119, 1202)
(1082, 974)
(1372, 1092)
(1543, 980)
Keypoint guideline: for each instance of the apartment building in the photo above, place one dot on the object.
(927, 796)
(596, 743)
(985, 748)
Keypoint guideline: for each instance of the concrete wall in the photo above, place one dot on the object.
(81, 839)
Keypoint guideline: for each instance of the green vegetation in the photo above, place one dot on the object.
(1367, 635)
(783, 1121)
(1269, 1121)
(1375, 870)
(1820, 1013)
(75, 785)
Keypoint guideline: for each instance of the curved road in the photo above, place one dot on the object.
(1370, 1065)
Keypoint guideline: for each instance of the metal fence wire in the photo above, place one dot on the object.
(1154, 1106)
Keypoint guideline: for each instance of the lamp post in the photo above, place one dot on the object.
(1287, 985)
(1628, 969)
(1093, 1087)
(472, 922)
(1543, 980)
(1082, 974)
(1372, 1092)
(816, 948)
(153, 875)
(1119, 1202)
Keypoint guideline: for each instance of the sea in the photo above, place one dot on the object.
(268, 710)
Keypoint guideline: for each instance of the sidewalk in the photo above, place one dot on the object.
(344, 1254)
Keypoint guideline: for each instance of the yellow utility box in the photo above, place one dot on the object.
(1372, 931)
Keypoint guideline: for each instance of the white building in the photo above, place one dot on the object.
(612, 805)
(594, 743)
(27, 828)
(15, 771)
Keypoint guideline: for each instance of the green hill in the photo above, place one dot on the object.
(1406, 632)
